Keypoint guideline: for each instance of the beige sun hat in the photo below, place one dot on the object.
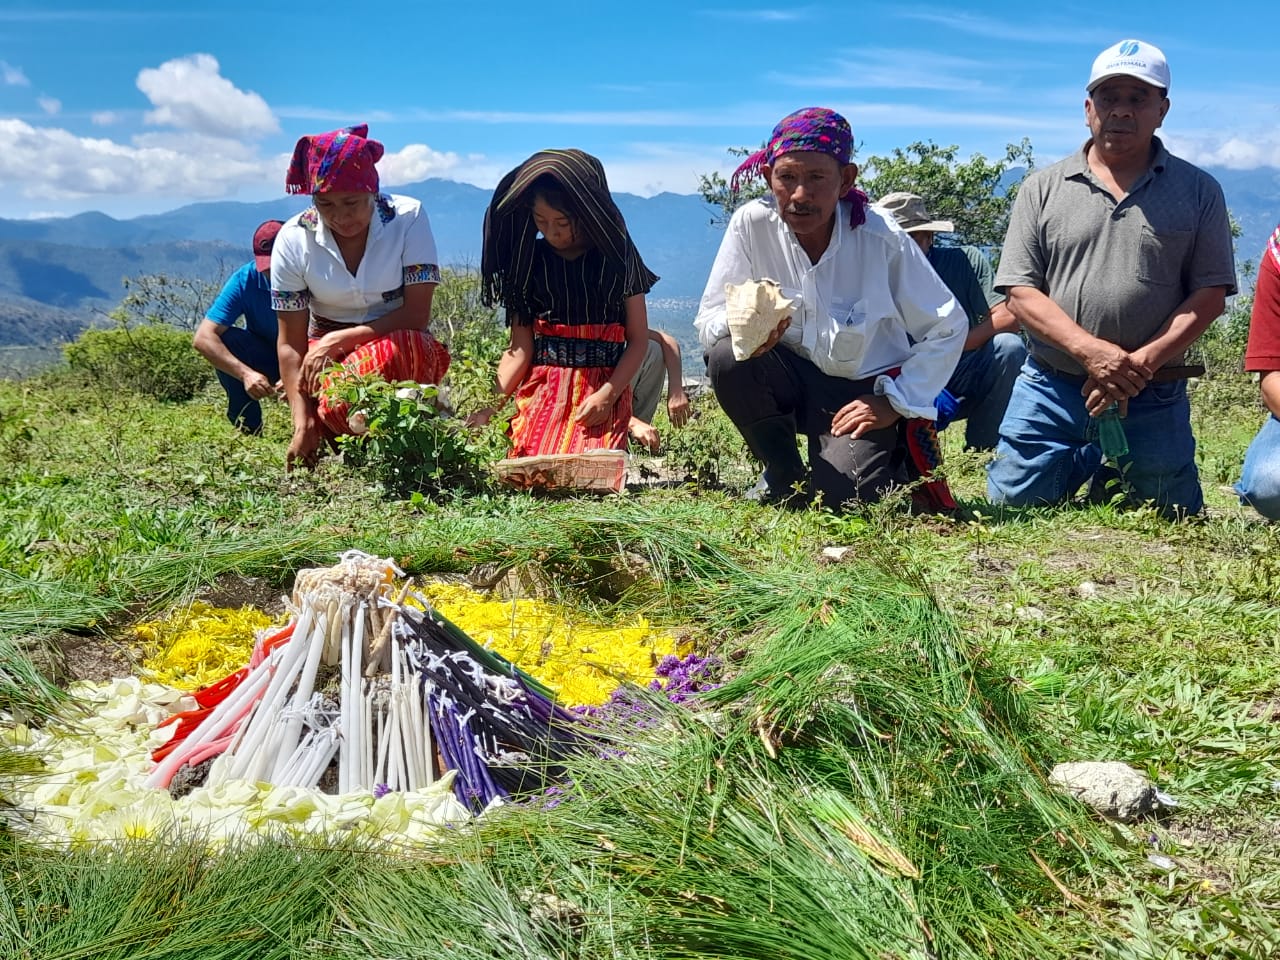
(754, 309)
(908, 210)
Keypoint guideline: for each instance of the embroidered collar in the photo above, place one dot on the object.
(310, 218)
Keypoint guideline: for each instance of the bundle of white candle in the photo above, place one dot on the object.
(409, 697)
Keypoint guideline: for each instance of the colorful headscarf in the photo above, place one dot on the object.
(506, 259)
(815, 130)
(341, 160)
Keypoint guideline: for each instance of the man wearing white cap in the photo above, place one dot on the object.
(993, 350)
(1116, 260)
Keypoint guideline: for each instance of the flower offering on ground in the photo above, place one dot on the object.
(199, 645)
(583, 663)
(94, 788)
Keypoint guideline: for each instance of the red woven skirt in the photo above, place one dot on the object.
(400, 355)
(548, 397)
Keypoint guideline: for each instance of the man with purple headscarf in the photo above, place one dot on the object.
(873, 337)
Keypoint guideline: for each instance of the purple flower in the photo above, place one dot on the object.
(380, 790)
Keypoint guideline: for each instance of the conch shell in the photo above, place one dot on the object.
(754, 309)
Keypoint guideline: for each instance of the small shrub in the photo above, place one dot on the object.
(153, 359)
(1221, 347)
(409, 444)
(705, 446)
(474, 336)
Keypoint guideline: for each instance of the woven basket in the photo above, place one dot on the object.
(599, 471)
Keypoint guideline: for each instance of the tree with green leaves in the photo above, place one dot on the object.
(972, 193)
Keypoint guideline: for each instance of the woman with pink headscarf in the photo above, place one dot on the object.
(351, 281)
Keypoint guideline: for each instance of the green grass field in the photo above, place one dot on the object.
(870, 782)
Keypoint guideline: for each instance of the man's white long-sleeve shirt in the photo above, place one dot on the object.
(870, 304)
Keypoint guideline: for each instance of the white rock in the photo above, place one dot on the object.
(1113, 789)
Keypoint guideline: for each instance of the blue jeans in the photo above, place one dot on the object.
(243, 411)
(983, 380)
(1049, 445)
(1259, 484)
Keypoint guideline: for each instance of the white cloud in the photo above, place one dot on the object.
(191, 94)
(104, 118)
(50, 105)
(56, 164)
(416, 162)
(649, 168)
(13, 76)
(1233, 152)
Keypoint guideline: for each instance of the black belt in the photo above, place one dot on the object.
(1163, 375)
(1075, 379)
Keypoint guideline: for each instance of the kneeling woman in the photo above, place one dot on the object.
(351, 282)
(558, 257)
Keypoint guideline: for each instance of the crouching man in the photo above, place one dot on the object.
(873, 337)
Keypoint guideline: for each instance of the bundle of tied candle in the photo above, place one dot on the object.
(369, 688)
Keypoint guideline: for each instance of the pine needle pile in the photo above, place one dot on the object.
(865, 786)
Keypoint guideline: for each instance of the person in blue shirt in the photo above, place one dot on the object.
(245, 357)
(993, 349)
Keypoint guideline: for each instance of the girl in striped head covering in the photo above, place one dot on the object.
(558, 257)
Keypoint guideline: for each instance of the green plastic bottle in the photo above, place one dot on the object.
(1111, 434)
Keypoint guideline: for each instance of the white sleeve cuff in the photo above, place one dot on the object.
(887, 387)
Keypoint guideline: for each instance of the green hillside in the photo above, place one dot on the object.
(868, 782)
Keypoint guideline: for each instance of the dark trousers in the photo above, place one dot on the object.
(774, 397)
(242, 410)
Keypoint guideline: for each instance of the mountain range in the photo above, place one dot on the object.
(58, 274)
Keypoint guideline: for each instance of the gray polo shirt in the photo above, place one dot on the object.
(1118, 269)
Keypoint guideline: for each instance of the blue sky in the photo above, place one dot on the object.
(139, 107)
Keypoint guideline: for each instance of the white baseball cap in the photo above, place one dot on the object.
(1131, 58)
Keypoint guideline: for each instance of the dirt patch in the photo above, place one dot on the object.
(1266, 710)
(1216, 846)
(234, 591)
(67, 657)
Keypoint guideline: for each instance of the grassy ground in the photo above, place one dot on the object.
(989, 647)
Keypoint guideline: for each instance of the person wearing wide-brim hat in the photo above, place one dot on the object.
(993, 350)
(1115, 261)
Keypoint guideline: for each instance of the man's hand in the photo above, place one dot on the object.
(596, 409)
(772, 340)
(304, 447)
(645, 435)
(1115, 371)
(862, 415)
(678, 407)
(258, 386)
(1097, 400)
